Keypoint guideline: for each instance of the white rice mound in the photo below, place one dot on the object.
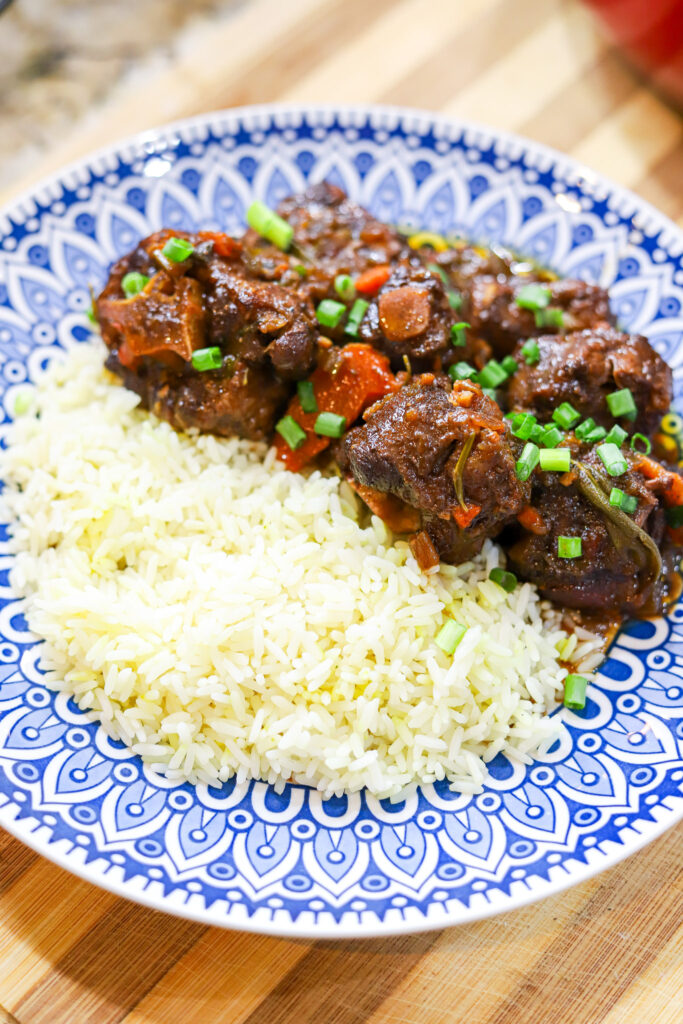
(223, 616)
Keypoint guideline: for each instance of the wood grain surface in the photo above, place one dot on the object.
(607, 952)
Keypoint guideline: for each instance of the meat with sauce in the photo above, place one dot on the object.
(584, 367)
(444, 452)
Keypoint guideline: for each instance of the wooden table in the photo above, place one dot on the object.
(607, 952)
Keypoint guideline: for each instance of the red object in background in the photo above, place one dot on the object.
(651, 33)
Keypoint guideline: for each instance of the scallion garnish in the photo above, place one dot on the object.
(329, 424)
(133, 283)
(264, 220)
(538, 433)
(642, 440)
(492, 375)
(458, 338)
(555, 459)
(566, 416)
(91, 315)
(531, 352)
(533, 297)
(440, 272)
(454, 300)
(490, 393)
(584, 428)
(617, 436)
(525, 466)
(551, 437)
(344, 287)
(329, 312)
(461, 371)
(506, 580)
(523, 427)
(290, 430)
(509, 365)
(612, 459)
(626, 502)
(307, 396)
(550, 317)
(575, 692)
(358, 310)
(622, 403)
(450, 635)
(569, 547)
(595, 434)
(177, 250)
(207, 359)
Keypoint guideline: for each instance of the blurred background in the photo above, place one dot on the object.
(602, 81)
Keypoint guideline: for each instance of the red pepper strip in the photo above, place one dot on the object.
(532, 521)
(464, 516)
(370, 281)
(362, 377)
(424, 551)
(223, 245)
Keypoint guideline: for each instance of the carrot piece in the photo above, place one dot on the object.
(362, 377)
(464, 516)
(424, 551)
(675, 535)
(371, 280)
(532, 521)
(672, 483)
(399, 517)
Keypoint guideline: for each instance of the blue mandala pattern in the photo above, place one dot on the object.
(246, 856)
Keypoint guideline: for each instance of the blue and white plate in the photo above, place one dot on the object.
(294, 864)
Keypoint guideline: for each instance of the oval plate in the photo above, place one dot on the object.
(294, 864)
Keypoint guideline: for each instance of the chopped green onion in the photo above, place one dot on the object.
(133, 283)
(622, 403)
(531, 352)
(551, 437)
(555, 459)
(458, 339)
(569, 547)
(566, 416)
(91, 315)
(490, 393)
(524, 426)
(549, 318)
(617, 436)
(612, 459)
(584, 428)
(575, 692)
(207, 359)
(506, 580)
(460, 371)
(626, 502)
(533, 297)
(596, 434)
(177, 249)
(344, 287)
(525, 466)
(492, 375)
(538, 433)
(450, 635)
(515, 417)
(439, 271)
(22, 403)
(358, 310)
(301, 270)
(641, 439)
(674, 515)
(264, 220)
(288, 428)
(509, 365)
(329, 312)
(329, 424)
(307, 396)
(454, 300)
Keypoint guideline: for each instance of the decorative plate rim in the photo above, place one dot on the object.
(664, 815)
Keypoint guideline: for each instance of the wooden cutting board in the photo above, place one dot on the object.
(607, 952)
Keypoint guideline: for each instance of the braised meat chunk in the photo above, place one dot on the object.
(505, 311)
(445, 453)
(584, 368)
(581, 549)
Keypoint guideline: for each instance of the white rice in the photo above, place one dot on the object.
(221, 615)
